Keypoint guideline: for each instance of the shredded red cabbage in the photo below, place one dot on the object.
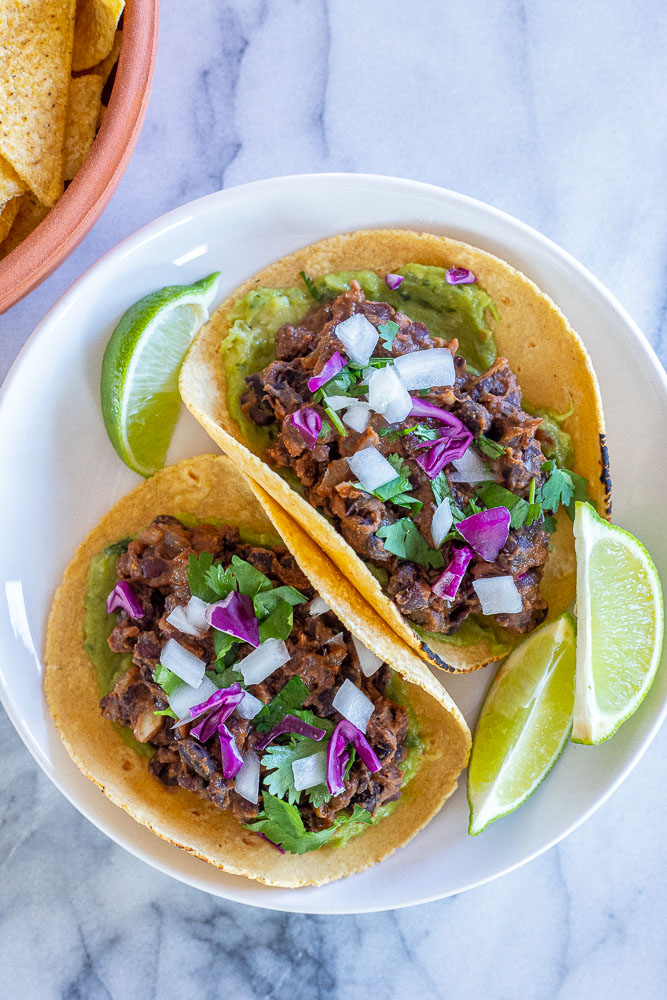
(448, 583)
(122, 596)
(236, 616)
(487, 531)
(232, 761)
(422, 408)
(441, 451)
(335, 364)
(220, 706)
(308, 422)
(460, 276)
(393, 281)
(337, 757)
(290, 724)
(273, 844)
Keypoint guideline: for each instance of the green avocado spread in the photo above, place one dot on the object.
(110, 666)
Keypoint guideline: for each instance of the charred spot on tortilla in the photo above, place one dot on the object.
(605, 475)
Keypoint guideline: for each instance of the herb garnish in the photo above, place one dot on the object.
(404, 539)
(311, 286)
(387, 333)
(395, 490)
(281, 822)
(490, 447)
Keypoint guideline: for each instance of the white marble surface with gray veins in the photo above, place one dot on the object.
(555, 113)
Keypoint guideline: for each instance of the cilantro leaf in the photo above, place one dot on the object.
(225, 679)
(387, 333)
(324, 430)
(494, 495)
(267, 600)
(278, 760)
(198, 567)
(392, 433)
(311, 286)
(278, 624)
(249, 580)
(404, 539)
(220, 580)
(222, 643)
(167, 711)
(490, 447)
(290, 697)
(167, 680)
(559, 487)
(281, 822)
(396, 490)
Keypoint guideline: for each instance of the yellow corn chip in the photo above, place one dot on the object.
(35, 64)
(7, 215)
(100, 116)
(94, 32)
(85, 99)
(104, 67)
(30, 214)
(11, 184)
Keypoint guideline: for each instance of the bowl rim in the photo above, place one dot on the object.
(173, 219)
(88, 194)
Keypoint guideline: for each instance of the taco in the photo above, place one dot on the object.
(427, 415)
(273, 730)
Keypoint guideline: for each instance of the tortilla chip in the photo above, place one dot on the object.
(210, 486)
(85, 100)
(547, 356)
(104, 67)
(7, 215)
(30, 214)
(100, 116)
(95, 31)
(35, 64)
(11, 184)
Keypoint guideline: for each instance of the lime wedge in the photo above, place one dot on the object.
(620, 625)
(524, 723)
(140, 398)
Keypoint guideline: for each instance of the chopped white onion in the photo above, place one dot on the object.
(368, 661)
(357, 416)
(359, 337)
(470, 469)
(335, 638)
(371, 468)
(441, 522)
(388, 395)
(309, 771)
(183, 663)
(263, 661)
(498, 595)
(189, 618)
(337, 402)
(318, 606)
(249, 706)
(426, 369)
(184, 697)
(246, 783)
(353, 705)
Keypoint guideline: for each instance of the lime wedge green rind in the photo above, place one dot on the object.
(524, 724)
(620, 626)
(139, 384)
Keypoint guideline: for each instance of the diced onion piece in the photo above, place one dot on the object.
(359, 337)
(498, 595)
(338, 637)
(183, 663)
(353, 705)
(470, 469)
(441, 522)
(249, 706)
(371, 468)
(426, 369)
(309, 771)
(246, 783)
(388, 395)
(337, 402)
(357, 416)
(190, 618)
(263, 661)
(184, 697)
(368, 661)
(318, 607)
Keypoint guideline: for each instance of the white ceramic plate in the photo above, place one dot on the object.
(60, 474)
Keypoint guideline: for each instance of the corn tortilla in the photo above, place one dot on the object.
(547, 356)
(210, 486)
(95, 31)
(35, 66)
(83, 110)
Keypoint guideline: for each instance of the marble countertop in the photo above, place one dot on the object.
(556, 115)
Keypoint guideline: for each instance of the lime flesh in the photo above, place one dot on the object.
(139, 387)
(524, 723)
(620, 625)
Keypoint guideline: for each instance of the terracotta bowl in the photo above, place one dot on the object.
(87, 196)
